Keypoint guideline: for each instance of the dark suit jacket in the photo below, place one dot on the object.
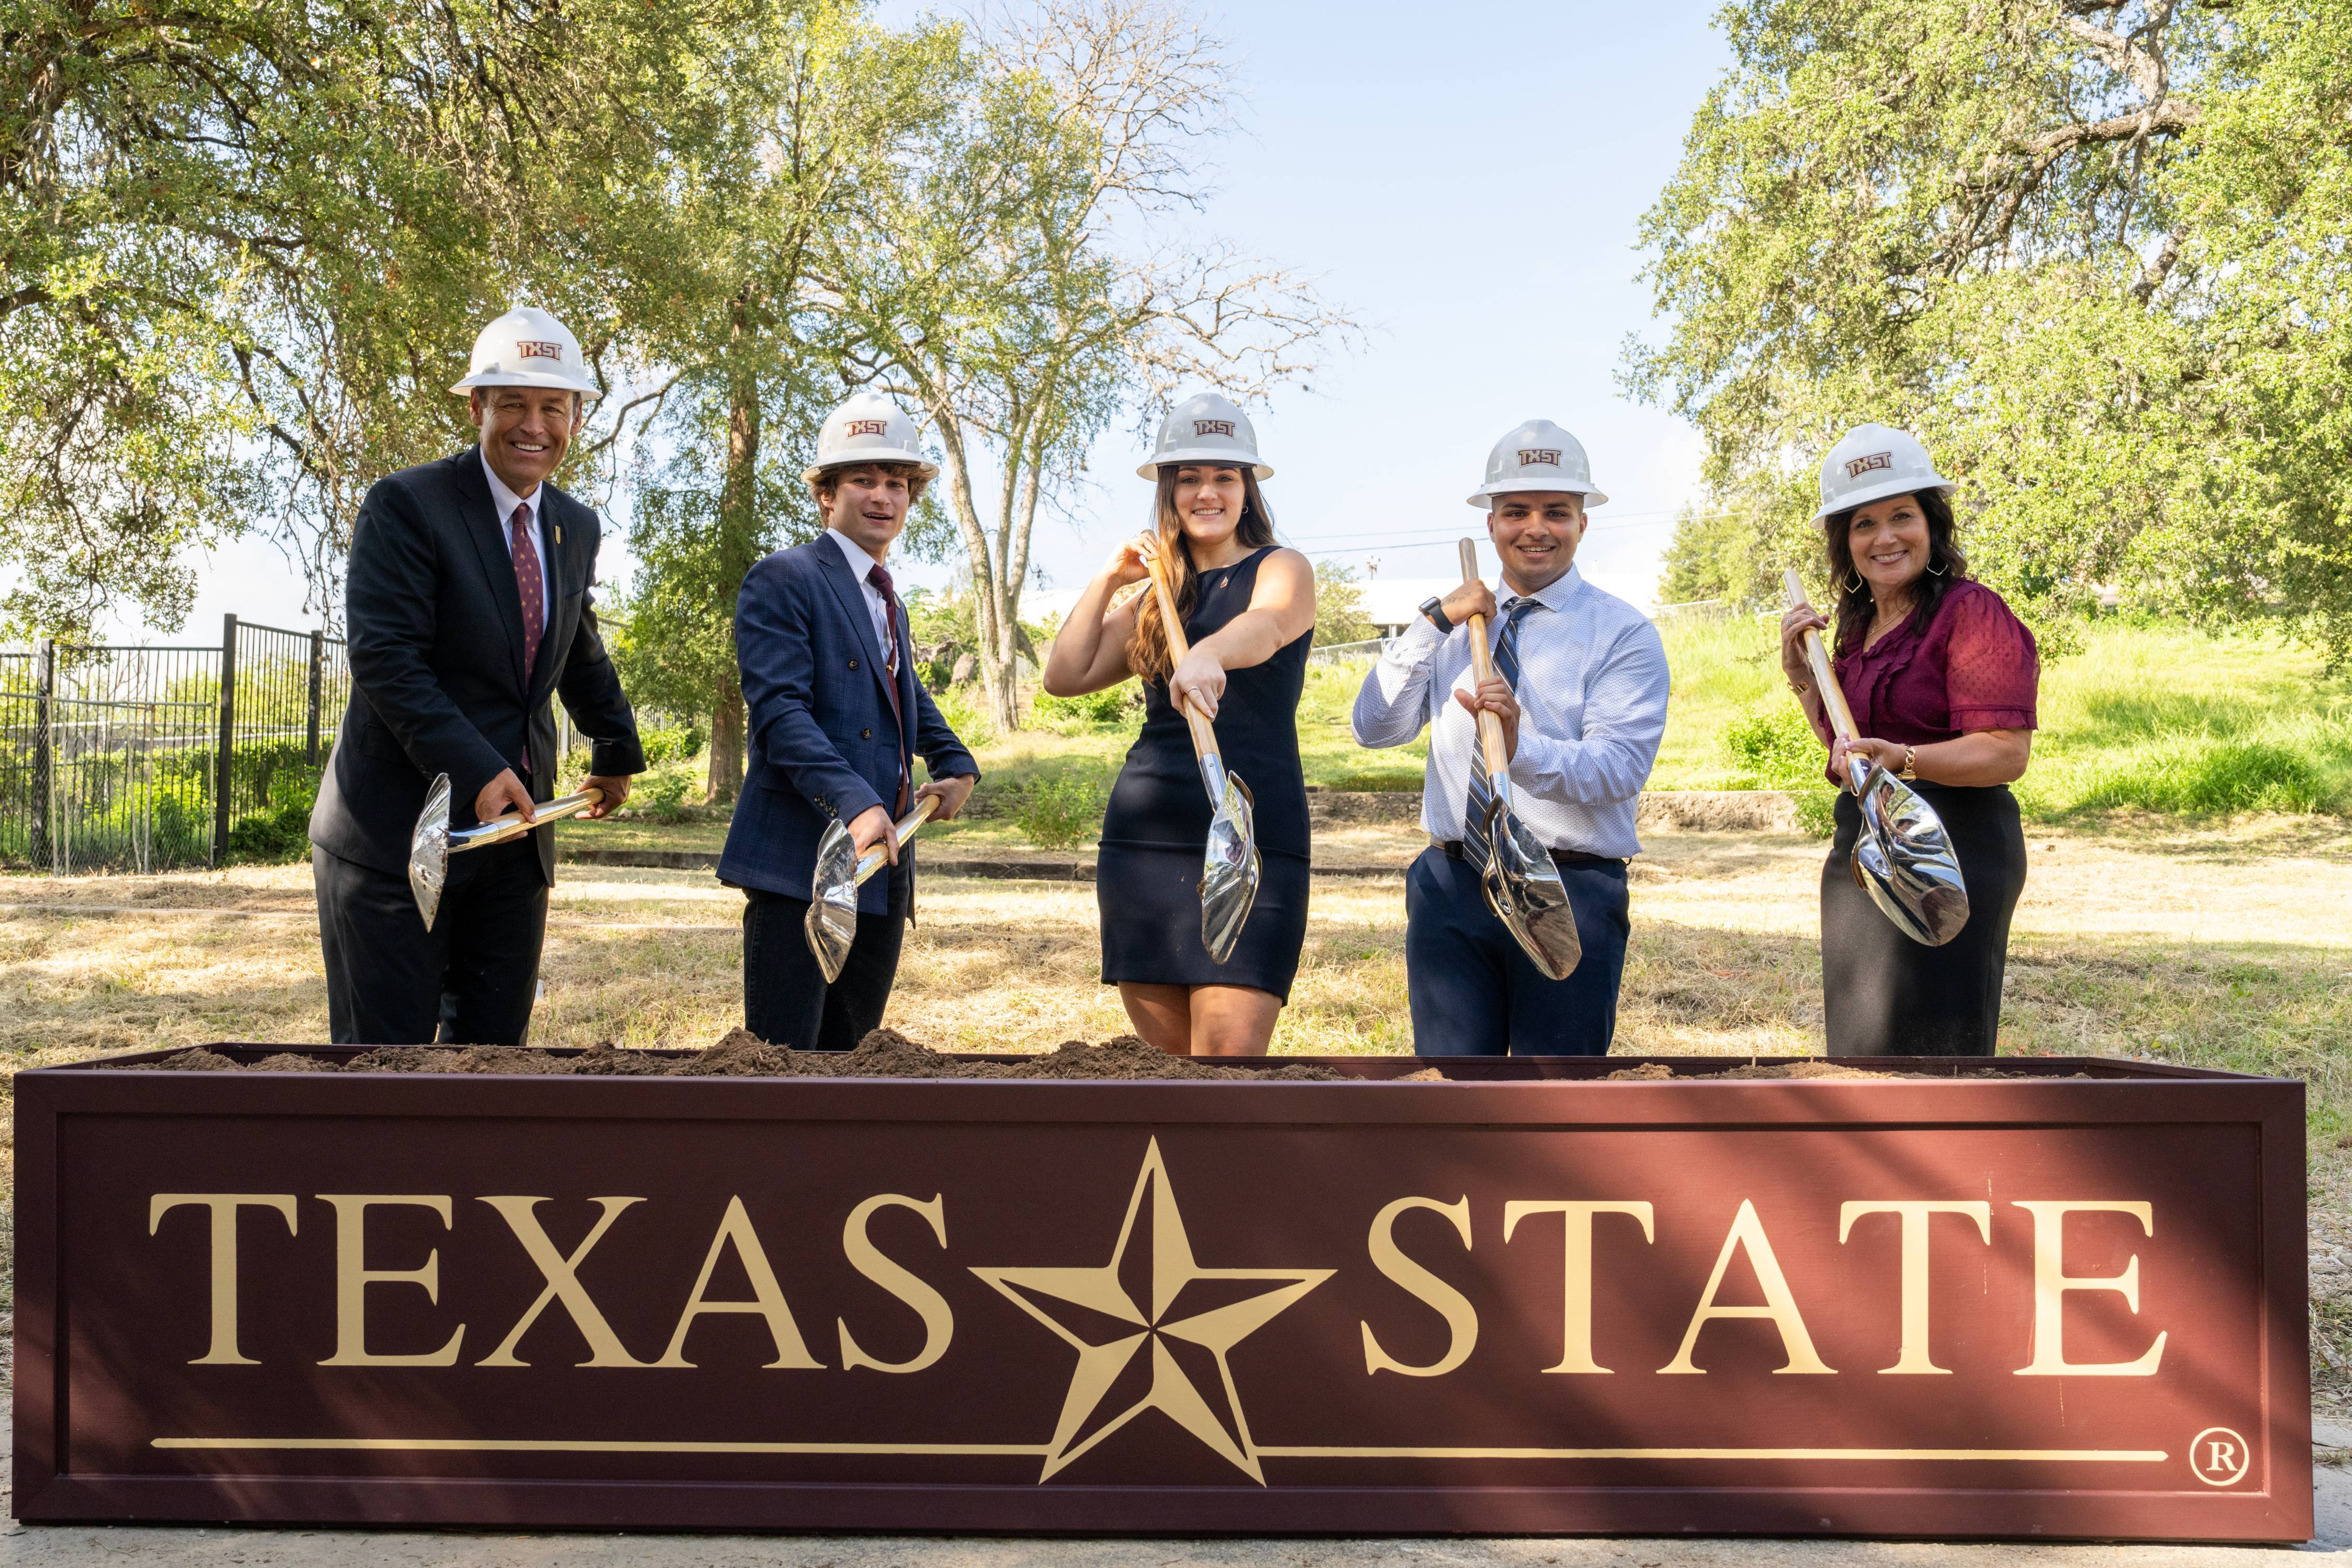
(437, 683)
(822, 736)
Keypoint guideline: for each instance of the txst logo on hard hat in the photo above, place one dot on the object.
(540, 350)
(1861, 466)
(1213, 428)
(1531, 454)
(866, 427)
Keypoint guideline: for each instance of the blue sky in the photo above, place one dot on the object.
(1468, 179)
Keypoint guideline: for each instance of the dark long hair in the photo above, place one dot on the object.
(1855, 608)
(1147, 650)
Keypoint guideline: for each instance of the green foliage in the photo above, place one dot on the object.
(1774, 748)
(1340, 607)
(1712, 555)
(244, 247)
(661, 791)
(1060, 808)
(2091, 257)
(1118, 709)
(671, 744)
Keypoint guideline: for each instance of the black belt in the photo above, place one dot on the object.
(1454, 850)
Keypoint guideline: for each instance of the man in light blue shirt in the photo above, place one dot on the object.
(1580, 688)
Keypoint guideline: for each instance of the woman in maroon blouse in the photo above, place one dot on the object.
(1941, 677)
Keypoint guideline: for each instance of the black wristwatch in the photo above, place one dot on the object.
(1435, 610)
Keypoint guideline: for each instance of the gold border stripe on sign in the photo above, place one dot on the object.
(1022, 1450)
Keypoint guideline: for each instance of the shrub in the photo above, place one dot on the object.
(1060, 810)
(671, 744)
(1118, 707)
(661, 791)
(1772, 747)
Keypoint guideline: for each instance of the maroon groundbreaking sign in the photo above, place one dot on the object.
(2053, 1307)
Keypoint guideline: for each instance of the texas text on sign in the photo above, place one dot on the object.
(2063, 1307)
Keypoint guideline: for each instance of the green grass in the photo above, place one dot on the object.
(2158, 719)
(2145, 720)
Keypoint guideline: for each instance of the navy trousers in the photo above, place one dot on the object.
(786, 1001)
(469, 981)
(1475, 993)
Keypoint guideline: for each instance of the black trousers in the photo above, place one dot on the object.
(1476, 991)
(1884, 995)
(471, 980)
(786, 1001)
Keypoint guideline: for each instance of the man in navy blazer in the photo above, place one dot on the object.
(468, 605)
(835, 721)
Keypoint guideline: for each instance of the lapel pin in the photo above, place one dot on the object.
(558, 534)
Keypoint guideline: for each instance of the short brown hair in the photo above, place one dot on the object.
(828, 480)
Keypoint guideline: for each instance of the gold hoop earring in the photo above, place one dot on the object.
(1853, 583)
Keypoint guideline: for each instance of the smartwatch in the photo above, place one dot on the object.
(1435, 610)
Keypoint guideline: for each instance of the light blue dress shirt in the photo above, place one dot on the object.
(1593, 698)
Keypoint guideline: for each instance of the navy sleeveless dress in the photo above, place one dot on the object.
(1148, 879)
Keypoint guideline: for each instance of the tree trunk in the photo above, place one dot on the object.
(739, 541)
(988, 625)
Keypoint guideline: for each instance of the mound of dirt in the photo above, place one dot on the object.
(1659, 1073)
(885, 1053)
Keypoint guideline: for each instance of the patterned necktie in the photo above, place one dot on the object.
(533, 588)
(882, 584)
(1482, 793)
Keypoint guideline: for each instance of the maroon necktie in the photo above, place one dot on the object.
(533, 588)
(880, 578)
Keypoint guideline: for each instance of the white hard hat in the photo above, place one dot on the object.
(1873, 462)
(528, 347)
(1204, 428)
(1538, 455)
(868, 428)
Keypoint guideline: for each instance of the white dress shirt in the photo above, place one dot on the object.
(505, 500)
(877, 609)
(1593, 704)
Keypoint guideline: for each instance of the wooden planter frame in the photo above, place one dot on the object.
(993, 1195)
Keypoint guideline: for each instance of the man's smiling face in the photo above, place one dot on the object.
(1535, 533)
(526, 430)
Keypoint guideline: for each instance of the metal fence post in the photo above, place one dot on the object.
(224, 750)
(317, 669)
(45, 675)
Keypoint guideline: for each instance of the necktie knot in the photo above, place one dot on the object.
(880, 578)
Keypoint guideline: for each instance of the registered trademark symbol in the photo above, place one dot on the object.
(2220, 1456)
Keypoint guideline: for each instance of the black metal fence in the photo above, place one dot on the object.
(145, 759)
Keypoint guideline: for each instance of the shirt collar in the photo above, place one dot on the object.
(505, 500)
(1555, 594)
(860, 564)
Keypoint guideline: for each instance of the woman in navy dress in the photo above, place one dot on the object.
(1248, 609)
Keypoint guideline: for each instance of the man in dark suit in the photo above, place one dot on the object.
(468, 606)
(837, 718)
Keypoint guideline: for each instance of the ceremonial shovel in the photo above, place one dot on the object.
(432, 843)
(1229, 867)
(1522, 886)
(832, 919)
(1903, 857)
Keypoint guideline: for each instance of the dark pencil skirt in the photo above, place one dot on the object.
(1149, 897)
(1886, 996)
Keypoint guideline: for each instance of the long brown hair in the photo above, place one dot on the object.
(1147, 650)
(1855, 608)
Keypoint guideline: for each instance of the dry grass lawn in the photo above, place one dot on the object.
(2221, 947)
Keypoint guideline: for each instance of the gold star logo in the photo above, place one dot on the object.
(1152, 1294)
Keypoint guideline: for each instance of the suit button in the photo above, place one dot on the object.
(865, 734)
(853, 664)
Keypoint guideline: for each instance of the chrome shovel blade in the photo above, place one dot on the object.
(429, 850)
(1524, 889)
(1904, 861)
(1229, 870)
(832, 920)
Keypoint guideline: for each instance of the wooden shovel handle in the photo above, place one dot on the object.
(1817, 658)
(1204, 734)
(874, 859)
(1482, 665)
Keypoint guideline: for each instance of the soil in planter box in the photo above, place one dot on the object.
(885, 1053)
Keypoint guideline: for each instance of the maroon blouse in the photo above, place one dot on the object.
(1973, 667)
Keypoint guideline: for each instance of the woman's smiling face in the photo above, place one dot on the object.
(1888, 541)
(1209, 497)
